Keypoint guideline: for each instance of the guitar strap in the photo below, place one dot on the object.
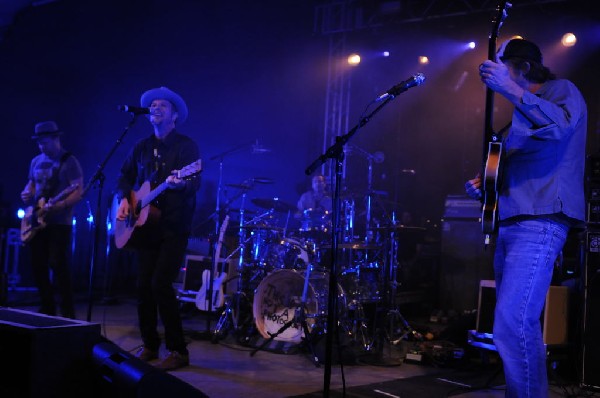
(52, 188)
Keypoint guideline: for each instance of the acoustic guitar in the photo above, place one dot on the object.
(34, 219)
(204, 302)
(141, 213)
(492, 143)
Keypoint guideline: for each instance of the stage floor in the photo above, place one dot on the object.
(227, 369)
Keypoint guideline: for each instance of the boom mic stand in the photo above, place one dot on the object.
(98, 179)
(336, 151)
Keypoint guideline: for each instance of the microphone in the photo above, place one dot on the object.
(136, 110)
(401, 87)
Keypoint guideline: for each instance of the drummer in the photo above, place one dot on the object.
(317, 200)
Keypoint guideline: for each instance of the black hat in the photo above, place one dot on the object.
(46, 129)
(523, 49)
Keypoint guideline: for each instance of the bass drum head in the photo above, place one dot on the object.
(280, 293)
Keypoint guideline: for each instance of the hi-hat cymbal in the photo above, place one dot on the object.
(275, 204)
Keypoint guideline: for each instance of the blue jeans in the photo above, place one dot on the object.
(525, 254)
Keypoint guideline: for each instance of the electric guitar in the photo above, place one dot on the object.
(34, 219)
(492, 143)
(218, 297)
(127, 231)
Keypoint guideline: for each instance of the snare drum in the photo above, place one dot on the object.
(280, 294)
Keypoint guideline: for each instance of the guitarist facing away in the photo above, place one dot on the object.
(541, 196)
(52, 171)
(161, 252)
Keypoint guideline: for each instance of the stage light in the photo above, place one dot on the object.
(20, 213)
(353, 59)
(423, 60)
(471, 45)
(385, 53)
(568, 40)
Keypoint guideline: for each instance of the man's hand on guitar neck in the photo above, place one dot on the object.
(473, 187)
(175, 183)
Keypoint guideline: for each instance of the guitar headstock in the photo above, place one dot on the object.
(190, 170)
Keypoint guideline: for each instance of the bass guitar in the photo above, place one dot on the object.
(492, 143)
(126, 231)
(34, 219)
(218, 297)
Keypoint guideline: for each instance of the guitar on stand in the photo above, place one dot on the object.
(492, 143)
(211, 295)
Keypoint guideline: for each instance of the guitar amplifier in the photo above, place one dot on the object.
(461, 207)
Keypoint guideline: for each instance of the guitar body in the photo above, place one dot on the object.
(215, 290)
(135, 231)
(491, 181)
(34, 219)
(132, 232)
(218, 295)
(31, 223)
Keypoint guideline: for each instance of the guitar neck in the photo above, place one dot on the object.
(153, 194)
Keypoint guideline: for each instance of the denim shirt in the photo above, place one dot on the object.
(543, 169)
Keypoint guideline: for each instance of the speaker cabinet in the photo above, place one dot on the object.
(127, 376)
(464, 262)
(590, 376)
(45, 356)
(554, 317)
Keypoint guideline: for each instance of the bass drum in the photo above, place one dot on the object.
(280, 293)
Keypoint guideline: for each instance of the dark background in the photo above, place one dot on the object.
(256, 72)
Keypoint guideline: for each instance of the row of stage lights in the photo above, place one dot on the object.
(567, 40)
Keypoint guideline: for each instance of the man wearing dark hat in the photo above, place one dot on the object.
(153, 159)
(55, 183)
(541, 196)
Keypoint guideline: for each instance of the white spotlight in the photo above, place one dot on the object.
(471, 45)
(568, 40)
(354, 59)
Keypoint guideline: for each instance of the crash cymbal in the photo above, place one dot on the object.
(355, 245)
(262, 180)
(275, 204)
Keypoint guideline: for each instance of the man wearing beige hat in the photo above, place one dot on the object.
(152, 161)
(54, 186)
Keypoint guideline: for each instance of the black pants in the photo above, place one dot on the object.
(50, 251)
(158, 268)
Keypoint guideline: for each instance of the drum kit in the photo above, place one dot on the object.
(284, 275)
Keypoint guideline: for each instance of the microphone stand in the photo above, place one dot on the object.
(336, 152)
(98, 179)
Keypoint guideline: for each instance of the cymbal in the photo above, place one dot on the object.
(274, 204)
(247, 211)
(262, 226)
(262, 180)
(239, 186)
(355, 245)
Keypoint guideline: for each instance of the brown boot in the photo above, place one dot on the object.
(145, 354)
(174, 360)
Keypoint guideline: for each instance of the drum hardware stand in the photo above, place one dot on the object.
(396, 327)
(299, 318)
